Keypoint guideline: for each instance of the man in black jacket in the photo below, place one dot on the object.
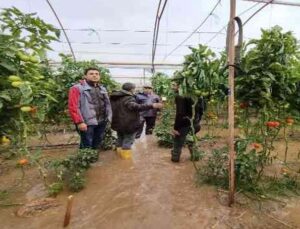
(126, 118)
(183, 119)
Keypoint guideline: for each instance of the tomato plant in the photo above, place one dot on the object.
(165, 125)
(161, 84)
(203, 76)
(25, 94)
(268, 79)
(200, 75)
(71, 170)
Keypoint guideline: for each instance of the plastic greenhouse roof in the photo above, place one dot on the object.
(121, 31)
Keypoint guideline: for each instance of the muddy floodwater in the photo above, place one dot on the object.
(150, 192)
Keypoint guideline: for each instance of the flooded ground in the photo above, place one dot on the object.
(146, 192)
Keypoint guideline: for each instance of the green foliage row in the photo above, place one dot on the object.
(71, 170)
(32, 92)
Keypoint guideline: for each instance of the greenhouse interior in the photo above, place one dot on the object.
(163, 114)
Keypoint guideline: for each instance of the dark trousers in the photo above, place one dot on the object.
(92, 138)
(125, 141)
(179, 141)
(150, 124)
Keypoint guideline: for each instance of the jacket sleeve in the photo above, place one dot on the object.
(179, 113)
(107, 104)
(108, 108)
(201, 107)
(138, 99)
(132, 105)
(158, 99)
(74, 105)
(183, 110)
(199, 110)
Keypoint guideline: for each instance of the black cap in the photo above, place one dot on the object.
(128, 86)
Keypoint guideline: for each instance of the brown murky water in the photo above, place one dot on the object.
(150, 192)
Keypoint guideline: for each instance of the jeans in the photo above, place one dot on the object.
(92, 138)
(150, 124)
(125, 141)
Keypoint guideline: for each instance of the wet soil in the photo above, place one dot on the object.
(148, 192)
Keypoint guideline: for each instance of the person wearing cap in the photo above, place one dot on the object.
(149, 116)
(126, 117)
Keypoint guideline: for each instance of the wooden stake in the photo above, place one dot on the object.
(231, 56)
(68, 211)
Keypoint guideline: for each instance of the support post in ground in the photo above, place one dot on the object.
(231, 56)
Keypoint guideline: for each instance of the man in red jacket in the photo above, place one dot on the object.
(90, 109)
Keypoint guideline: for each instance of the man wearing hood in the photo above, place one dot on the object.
(90, 109)
(126, 118)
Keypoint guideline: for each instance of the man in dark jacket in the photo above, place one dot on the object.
(90, 108)
(149, 116)
(182, 125)
(126, 117)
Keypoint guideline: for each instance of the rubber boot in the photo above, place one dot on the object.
(175, 157)
(126, 154)
(118, 151)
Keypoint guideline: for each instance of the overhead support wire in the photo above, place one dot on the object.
(125, 44)
(250, 8)
(278, 2)
(225, 26)
(130, 64)
(133, 31)
(116, 53)
(61, 26)
(156, 30)
(256, 12)
(189, 36)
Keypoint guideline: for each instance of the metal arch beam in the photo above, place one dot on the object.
(62, 27)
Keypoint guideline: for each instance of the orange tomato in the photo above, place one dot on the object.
(23, 162)
(269, 124)
(272, 124)
(33, 110)
(244, 105)
(257, 145)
